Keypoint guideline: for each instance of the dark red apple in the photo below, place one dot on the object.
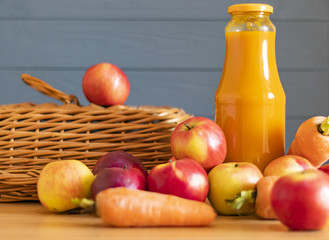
(300, 200)
(184, 178)
(200, 139)
(118, 177)
(105, 84)
(120, 159)
(324, 168)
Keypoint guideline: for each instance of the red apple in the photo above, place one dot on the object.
(105, 84)
(300, 200)
(120, 159)
(324, 168)
(118, 177)
(287, 164)
(226, 181)
(200, 139)
(183, 178)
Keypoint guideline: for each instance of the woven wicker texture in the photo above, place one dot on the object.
(33, 135)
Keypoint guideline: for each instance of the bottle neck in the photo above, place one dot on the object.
(250, 21)
(251, 53)
(250, 43)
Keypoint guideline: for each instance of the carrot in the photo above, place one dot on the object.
(123, 207)
(312, 140)
(260, 197)
(263, 208)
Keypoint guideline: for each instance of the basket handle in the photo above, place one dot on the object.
(48, 90)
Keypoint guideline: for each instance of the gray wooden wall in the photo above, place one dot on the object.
(171, 50)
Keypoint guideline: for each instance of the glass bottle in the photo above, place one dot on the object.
(250, 101)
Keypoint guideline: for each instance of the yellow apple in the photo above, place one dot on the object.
(227, 180)
(61, 181)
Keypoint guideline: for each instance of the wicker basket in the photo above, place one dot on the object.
(33, 135)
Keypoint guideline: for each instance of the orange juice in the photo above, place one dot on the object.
(250, 101)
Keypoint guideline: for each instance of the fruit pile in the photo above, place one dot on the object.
(293, 188)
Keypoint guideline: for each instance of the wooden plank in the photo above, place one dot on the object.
(148, 45)
(44, 225)
(307, 92)
(301, 10)
(128, 44)
(291, 129)
(153, 9)
(295, 47)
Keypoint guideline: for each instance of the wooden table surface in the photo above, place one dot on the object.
(31, 221)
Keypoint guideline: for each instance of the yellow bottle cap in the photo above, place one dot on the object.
(250, 7)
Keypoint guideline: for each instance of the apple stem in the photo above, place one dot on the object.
(187, 126)
(84, 205)
(324, 127)
(242, 198)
